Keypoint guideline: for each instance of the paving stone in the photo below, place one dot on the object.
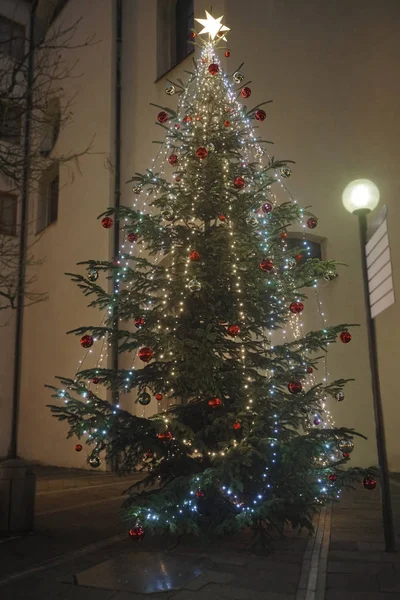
(343, 545)
(352, 582)
(130, 596)
(361, 567)
(75, 592)
(390, 583)
(225, 592)
(232, 559)
(209, 577)
(286, 583)
(344, 595)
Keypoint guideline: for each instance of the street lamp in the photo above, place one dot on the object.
(360, 197)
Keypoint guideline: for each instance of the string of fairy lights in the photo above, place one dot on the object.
(177, 140)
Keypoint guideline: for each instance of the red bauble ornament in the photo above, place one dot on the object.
(177, 126)
(86, 341)
(200, 494)
(227, 53)
(187, 119)
(193, 35)
(346, 455)
(266, 265)
(312, 223)
(239, 182)
(345, 337)
(283, 235)
(165, 435)
(213, 69)
(233, 330)
(297, 307)
(132, 237)
(78, 447)
(222, 217)
(260, 115)
(246, 92)
(162, 117)
(137, 533)
(332, 477)
(215, 402)
(173, 159)
(310, 370)
(295, 387)
(194, 256)
(139, 322)
(267, 207)
(145, 354)
(227, 123)
(159, 397)
(237, 425)
(107, 222)
(201, 152)
(177, 179)
(95, 380)
(369, 483)
(148, 454)
(299, 256)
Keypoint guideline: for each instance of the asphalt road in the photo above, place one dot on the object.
(66, 521)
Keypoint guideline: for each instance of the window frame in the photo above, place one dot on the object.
(10, 138)
(47, 202)
(9, 47)
(4, 230)
(168, 36)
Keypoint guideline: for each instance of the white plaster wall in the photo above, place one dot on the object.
(19, 12)
(85, 191)
(330, 68)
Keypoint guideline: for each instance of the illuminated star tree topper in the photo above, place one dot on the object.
(213, 27)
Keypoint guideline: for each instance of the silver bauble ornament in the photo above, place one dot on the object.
(238, 77)
(170, 90)
(93, 274)
(346, 446)
(290, 262)
(167, 215)
(285, 172)
(260, 151)
(194, 286)
(210, 147)
(339, 396)
(330, 275)
(144, 398)
(94, 462)
(137, 189)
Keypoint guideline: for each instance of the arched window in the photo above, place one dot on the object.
(309, 248)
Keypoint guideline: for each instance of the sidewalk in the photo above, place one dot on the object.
(358, 567)
(345, 560)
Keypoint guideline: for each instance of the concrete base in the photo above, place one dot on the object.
(17, 496)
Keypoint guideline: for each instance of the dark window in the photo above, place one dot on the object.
(50, 126)
(8, 214)
(12, 38)
(10, 123)
(308, 248)
(175, 20)
(48, 199)
(184, 25)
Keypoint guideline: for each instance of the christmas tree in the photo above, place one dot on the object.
(206, 286)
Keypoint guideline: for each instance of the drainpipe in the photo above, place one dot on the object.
(13, 448)
(117, 182)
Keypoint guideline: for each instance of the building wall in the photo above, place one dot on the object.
(85, 191)
(330, 68)
(18, 12)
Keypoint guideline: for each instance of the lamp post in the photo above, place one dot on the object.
(360, 197)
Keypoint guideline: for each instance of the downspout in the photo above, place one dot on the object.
(117, 189)
(13, 448)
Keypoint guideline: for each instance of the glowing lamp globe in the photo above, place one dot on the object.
(360, 194)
